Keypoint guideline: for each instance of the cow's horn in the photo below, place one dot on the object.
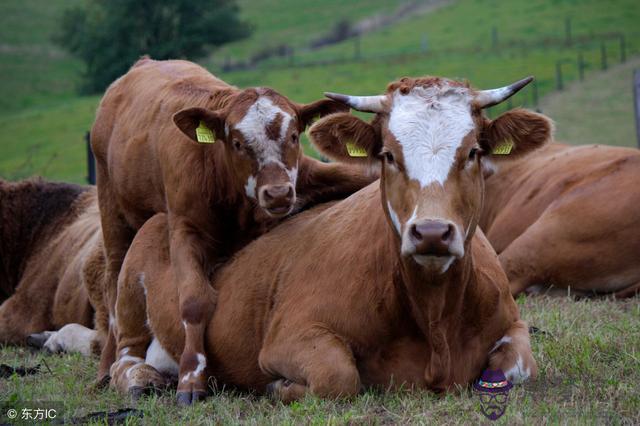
(487, 98)
(360, 103)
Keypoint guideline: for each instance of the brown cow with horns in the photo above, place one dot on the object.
(393, 285)
(154, 140)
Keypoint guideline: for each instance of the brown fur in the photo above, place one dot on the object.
(48, 230)
(146, 165)
(327, 302)
(567, 217)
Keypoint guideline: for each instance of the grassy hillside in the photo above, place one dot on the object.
(296, 22)
(42, 122)
(34, 72)
(598, 111)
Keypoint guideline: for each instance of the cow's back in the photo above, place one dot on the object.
(134, 137)
(32, 213)
(584, 184)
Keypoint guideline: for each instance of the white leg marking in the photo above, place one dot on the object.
(202, 364)
(159, 358)
(518, 373)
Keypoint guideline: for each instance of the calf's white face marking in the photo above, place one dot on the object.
(254, 129)
(430, 124)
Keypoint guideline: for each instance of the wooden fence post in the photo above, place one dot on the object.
(636, 99)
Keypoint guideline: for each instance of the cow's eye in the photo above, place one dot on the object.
(237, 145)
(388, 156)
(294, 139)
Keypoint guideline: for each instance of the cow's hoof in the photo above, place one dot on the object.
(102, 382)
(185, 398)
(274, 388)
(137, 392)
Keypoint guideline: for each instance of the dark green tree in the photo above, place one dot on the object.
(110, 35)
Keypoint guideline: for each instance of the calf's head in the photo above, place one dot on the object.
(260, 130)
(435, 145)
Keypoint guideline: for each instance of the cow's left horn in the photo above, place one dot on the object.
(360, 103)
(487, 98)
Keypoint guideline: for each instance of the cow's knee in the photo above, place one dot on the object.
(336, 381)
(513, 355)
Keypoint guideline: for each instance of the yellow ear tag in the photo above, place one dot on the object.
(504, 148)
(355, 151)
(205, 134)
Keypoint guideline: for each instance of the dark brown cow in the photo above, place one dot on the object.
(392, 286)
(568, 217)
(49, 235)
(218, 196)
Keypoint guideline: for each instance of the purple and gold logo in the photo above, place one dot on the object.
(493, 390)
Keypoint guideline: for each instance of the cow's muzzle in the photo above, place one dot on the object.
(434, 244)
(277, 200)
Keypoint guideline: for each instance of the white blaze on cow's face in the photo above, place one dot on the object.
(431, 176)
(264, 142)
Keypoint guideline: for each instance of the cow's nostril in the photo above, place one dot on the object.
(448, 233)
(290, 192)
(415, 233)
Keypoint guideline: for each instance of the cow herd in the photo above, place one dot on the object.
(214, 250)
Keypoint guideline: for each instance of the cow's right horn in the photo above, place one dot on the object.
(360, 103)
(488, 98)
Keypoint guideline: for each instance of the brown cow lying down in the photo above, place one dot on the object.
(50, 248)
(568, 217)
(154, 140)
(391, 286)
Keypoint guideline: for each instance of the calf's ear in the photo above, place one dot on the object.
(200, 124)
(315, 110)
(515, 133)
(346, 138)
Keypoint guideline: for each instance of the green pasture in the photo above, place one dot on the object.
(588, 356)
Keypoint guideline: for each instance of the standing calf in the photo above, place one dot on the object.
(153, 141)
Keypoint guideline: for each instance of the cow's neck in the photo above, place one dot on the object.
(435, 302)
(433, 296)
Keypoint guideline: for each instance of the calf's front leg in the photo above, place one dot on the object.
(197, 300)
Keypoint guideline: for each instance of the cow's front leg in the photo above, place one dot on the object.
(197, 303)
(318, 362)
(512, 354)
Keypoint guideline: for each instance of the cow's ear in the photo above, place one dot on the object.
(347, 138)
(515, 133)
(312, 112)
(200, 124)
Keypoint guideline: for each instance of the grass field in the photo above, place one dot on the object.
(602, 105)
(589, 360)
